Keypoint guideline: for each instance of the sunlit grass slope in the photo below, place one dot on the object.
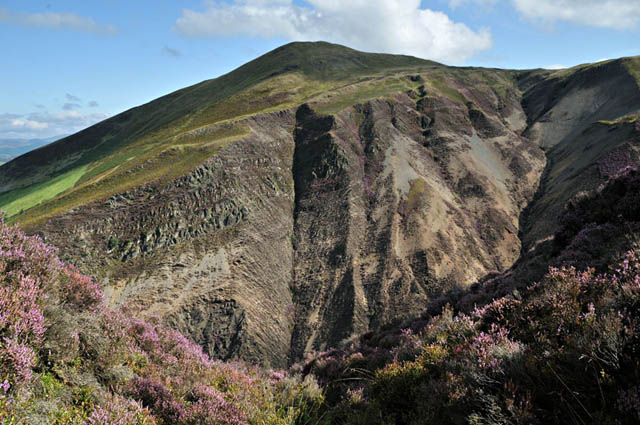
(165, 138)
(18, 200)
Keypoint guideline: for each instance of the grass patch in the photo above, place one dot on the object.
(418, 186)
(24, 198)
(159, 165)
(626, 119)
(450, 92)
(277, 93)
(337, 100)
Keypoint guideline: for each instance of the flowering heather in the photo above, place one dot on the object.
(566, 352)
(80, 291)
(616, 162)
(55, 332)
(617, 204)
(490, 348)
(120, 411)
(26, 264)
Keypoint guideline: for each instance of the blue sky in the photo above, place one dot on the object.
(68, 64)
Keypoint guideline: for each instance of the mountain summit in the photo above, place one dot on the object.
(284, 77)
(319, 192)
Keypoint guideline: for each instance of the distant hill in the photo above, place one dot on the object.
(11, 148)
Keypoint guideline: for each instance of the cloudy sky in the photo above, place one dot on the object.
(68, 64)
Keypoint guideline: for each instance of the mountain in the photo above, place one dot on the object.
(317, 193)
(278, 79)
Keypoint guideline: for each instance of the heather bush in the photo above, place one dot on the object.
(26, 265)
(78, 290)
(566, 351)
(159, 399)
(210, 407)
(617, 203)
(67, 359)
(617, 161)
(119, 411)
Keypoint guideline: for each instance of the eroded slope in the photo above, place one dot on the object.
(332, 197)
(210, 252)
(585, 119)
(400, 199)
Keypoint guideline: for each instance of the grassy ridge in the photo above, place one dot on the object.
(159, 140)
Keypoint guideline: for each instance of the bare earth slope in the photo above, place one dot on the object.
(579, 119)
(315, 196)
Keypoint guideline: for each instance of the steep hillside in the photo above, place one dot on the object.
(147, 137)
(585, 119)
(66, 359)
(320, 192)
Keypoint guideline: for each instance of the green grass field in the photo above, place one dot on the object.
(22, 199)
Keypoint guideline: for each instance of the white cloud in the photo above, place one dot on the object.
(50, 20)
(28, 124)
(456, 3)
(44, 124)
(617, 14)
(393, 26)
(555, 66)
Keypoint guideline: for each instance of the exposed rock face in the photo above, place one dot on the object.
(567, 121)
(315, 228)
(589, 126)
(210, 252)
(393, 207)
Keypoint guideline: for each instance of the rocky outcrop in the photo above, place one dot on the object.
(314, 228)
(573, 119)
(210, 252)
(393, 207)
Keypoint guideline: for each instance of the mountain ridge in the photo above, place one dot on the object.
(137, 124)
(298, 212)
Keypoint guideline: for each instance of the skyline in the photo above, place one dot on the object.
(69, 64)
